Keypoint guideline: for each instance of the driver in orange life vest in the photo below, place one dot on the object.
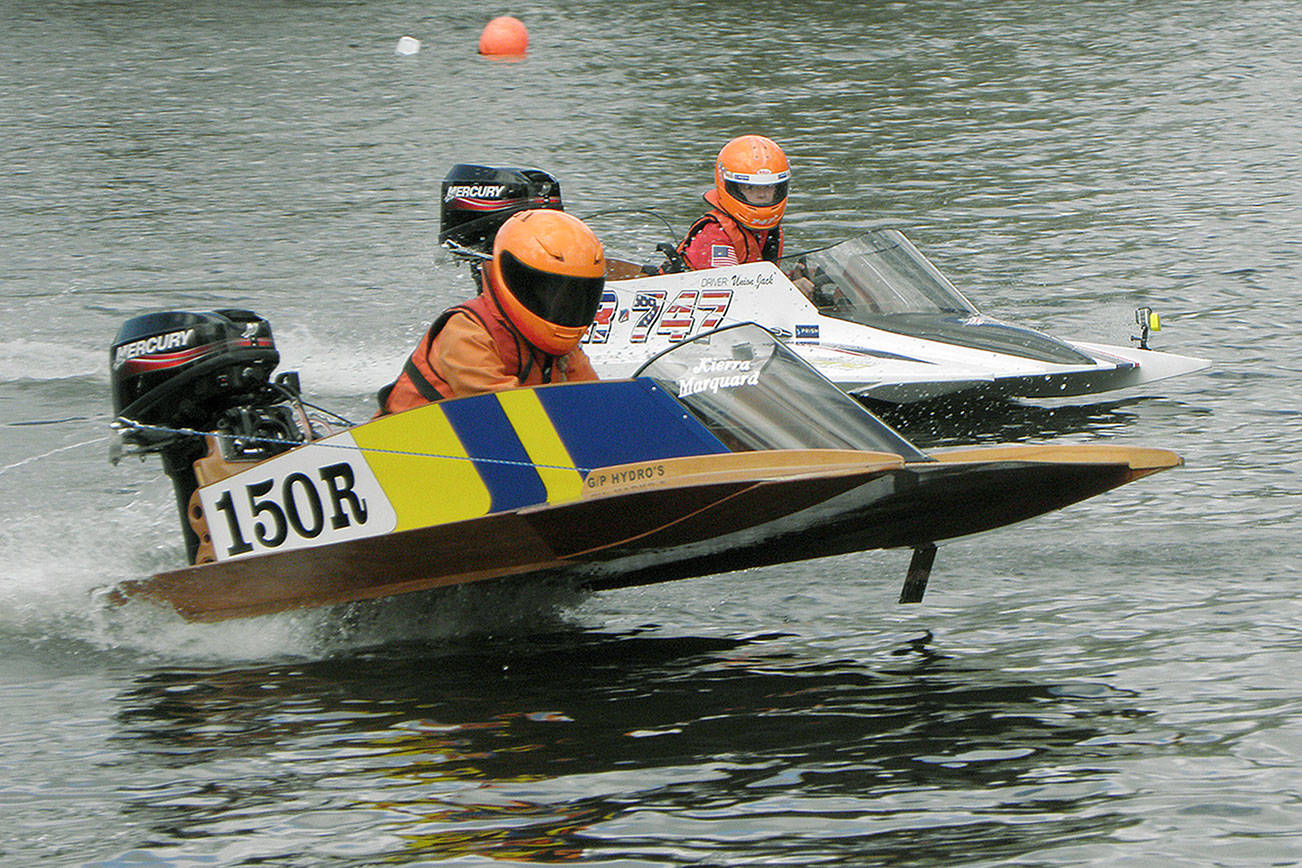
(540, 293)
(751, 175)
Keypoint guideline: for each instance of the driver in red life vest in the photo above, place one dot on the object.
(751, 175)
(540, 293)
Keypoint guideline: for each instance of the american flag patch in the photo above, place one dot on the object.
(722, 254)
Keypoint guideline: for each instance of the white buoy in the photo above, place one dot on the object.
(407, 45)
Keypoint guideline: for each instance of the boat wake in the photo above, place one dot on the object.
(24, 360)
(59, 605)
(54, 593)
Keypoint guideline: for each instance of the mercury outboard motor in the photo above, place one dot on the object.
(177, 375)
(478, 199)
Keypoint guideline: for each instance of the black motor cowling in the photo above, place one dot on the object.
(178, 369)
(176, 373)
(478, 199)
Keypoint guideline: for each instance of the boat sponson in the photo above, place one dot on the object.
(964, 492)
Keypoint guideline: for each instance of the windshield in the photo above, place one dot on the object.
(881, 280)
(878, 274)
(753, 393)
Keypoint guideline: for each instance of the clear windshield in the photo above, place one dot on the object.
(881, 280)
(753, 393)
(878, 274)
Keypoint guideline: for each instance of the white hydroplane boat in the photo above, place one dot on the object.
(876, 318)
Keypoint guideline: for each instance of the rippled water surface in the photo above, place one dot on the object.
(1114, 683)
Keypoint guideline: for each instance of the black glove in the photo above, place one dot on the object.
(675, 261)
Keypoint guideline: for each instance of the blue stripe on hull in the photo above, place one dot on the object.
(486, 433)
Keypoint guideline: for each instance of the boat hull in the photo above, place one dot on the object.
(708, 514)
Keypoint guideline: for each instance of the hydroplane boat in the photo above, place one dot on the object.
(874, 315)
(726, 451)
(876, 318)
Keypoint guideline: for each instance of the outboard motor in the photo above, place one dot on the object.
(478, 199)
(178, 375)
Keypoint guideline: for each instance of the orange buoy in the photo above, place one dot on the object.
(504, 36)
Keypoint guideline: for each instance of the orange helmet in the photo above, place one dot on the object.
(750, 181)
(547, 273)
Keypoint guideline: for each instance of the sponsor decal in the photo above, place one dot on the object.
(807, 332)
(711, 375)
(157, 344)
(760, 176)
(647, 473)
(474, 191)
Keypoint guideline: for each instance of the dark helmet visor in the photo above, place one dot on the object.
(758, 195)
(557, 298)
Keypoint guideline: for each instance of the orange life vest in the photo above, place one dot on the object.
(530, 366)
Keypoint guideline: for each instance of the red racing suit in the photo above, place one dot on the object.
(472, 349)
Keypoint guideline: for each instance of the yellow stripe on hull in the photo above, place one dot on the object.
(543, 443)
(424, 490)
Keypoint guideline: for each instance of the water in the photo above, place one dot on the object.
(1114, 683)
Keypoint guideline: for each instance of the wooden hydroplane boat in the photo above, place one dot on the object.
(727, 451)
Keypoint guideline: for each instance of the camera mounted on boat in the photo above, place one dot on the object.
(1148, 321)
(477, 200)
